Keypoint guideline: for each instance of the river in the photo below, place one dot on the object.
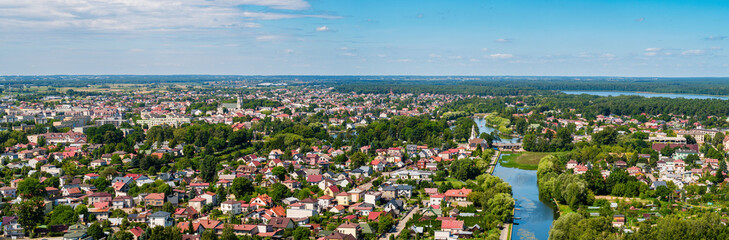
(644, 94)
(533, 217)
(483, 128)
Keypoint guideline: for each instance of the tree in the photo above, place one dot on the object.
(31, 187)
(385, 223)
(95, 231)
(228, 234)
(82, 210)
(123, 235)
(279, 172)
(501, 206)
(279, 191)
(188, 151)
(30, 213)
(608, 136)
(108, 171)
(63, 214)
(207, 168)
(167, 207)
(241, 187)
(209, 235)
(358, 159)
(464, 169)
(301, 233)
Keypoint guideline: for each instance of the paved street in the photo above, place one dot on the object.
(402, 223)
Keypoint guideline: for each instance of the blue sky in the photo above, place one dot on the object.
(366, 37)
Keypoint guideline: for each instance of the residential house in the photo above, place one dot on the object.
(160, 218)
(155, 199)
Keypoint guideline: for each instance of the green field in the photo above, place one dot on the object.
(454, 182)
(525, 160)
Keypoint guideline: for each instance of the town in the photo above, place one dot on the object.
(271, 161)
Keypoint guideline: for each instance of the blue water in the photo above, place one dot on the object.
(536, 217)
(483, 128)
(642, 94)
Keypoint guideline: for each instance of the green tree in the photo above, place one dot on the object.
(63, 214)
(301, 233)
(30, 213)
(358, 159)
(209, 235)
(385, 223)
(279, 172)
(188, 151)
(208, 168)
(95, 231)
(241, 187)
(123, 235)
(228, 234)
(278, 192)
(501, 206)
(31, 187)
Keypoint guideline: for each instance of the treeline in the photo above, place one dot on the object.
(579, 226)
(591, 106)
(418, 130)
(255, 103)
(490, 88)
(499, 86)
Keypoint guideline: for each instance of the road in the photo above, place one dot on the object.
(494, 161)
(505, 232)
(402, 223)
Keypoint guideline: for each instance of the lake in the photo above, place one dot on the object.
(535, 216)
(643, 94)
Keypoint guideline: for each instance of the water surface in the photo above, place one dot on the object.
(644, 94)
(533, 218)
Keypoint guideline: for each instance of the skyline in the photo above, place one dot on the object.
(323, 37)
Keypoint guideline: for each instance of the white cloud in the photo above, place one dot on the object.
(278, 16)
(693, 52)
(503, 40)
(404, 60)
(654, 52)
(266, 38)
(289, 51)
(433, 55)
(484, 49)
(715, 38)
(277, 4)
(501, 56)
(122, 15)
(323, 29)
(349, 54)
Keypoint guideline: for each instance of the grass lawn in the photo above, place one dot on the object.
(525, 160)
(454, 182)
(564, 209)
